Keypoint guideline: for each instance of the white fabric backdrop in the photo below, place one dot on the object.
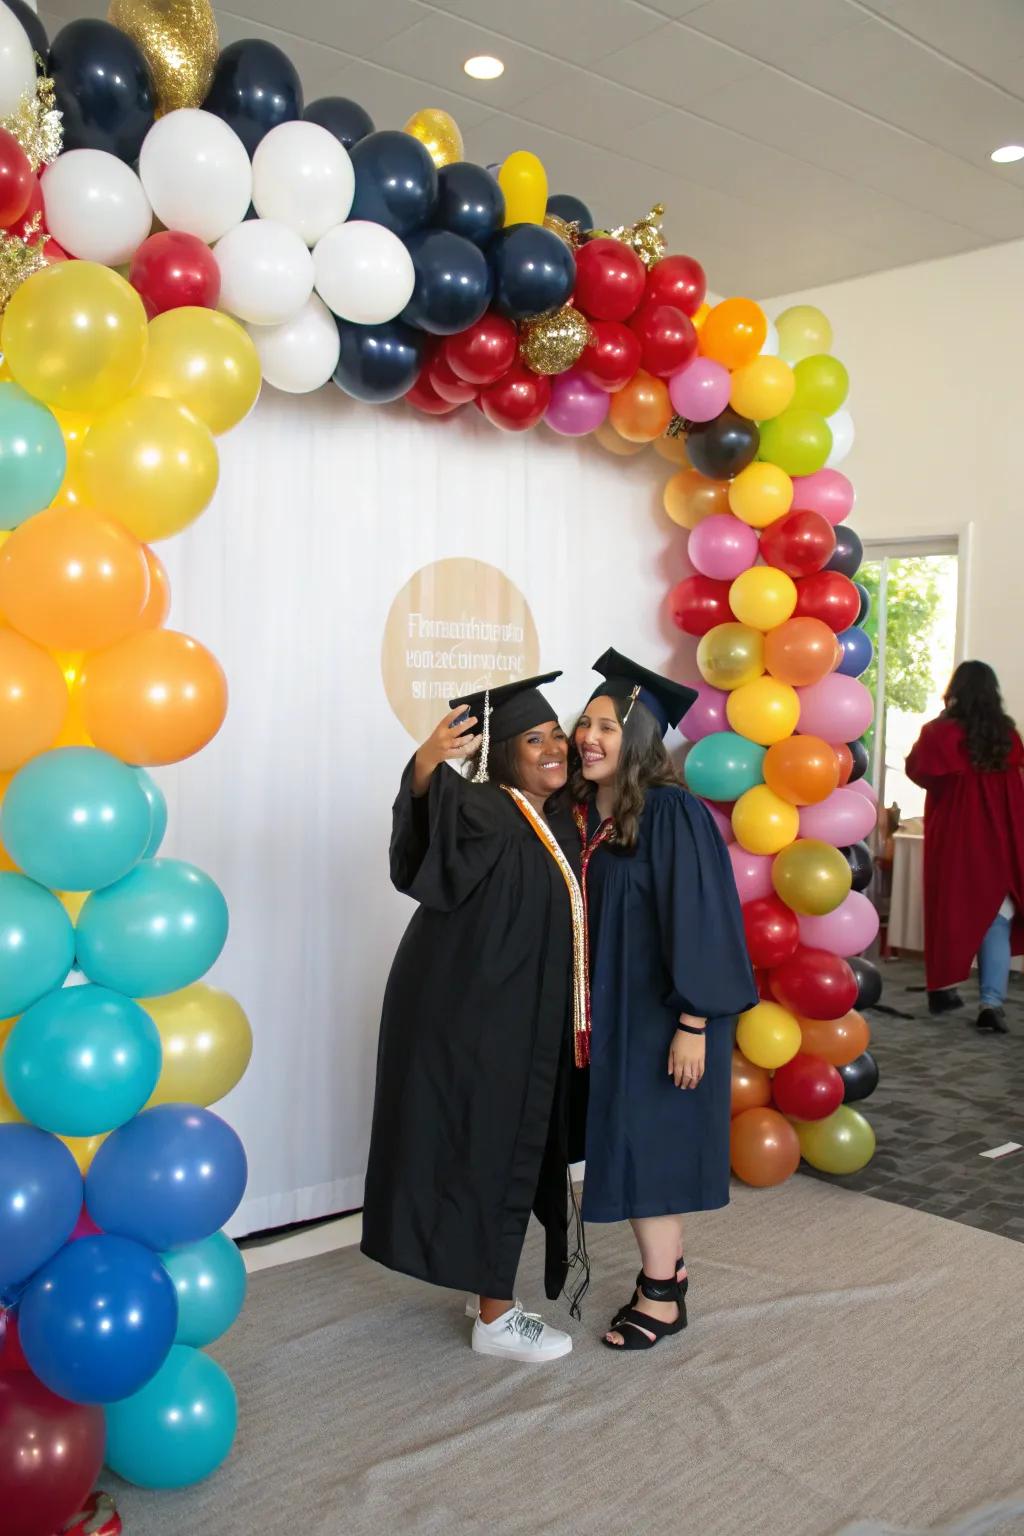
(326, 508)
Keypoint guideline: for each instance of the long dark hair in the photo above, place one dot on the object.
(974, 701)
(643, 763)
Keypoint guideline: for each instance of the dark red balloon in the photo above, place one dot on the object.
(51, 1452)
(815, 984)
(12, 1357)
(772, 931)
(425, 398)
(799, 543)
(16, 179)
(448, 384)
(807, 1087)
(612, 357)
(518, 400)
(829, 596)
(764, 986)
(171, 270)
(484, 352)
(698, 603)
(668, 340)
(33, 209)
(677, 280)
(610, 280)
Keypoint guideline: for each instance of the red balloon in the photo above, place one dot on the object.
(425, 398)
(484, 352)
(764, 986)
(668, 340)
(815, 984)
(698, 603)
(51, 1452)
(171, 270)
(844, 757)
(807, 1087)
(12, 1356)
(829, 596)
(52, 252)
(518, 400)
(772, 931)
(799, 543)
(677, 280)
(33, 209)
(16, 179)
(613, 356)
(448, 384)
(610, 280)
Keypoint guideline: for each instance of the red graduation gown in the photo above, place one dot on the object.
(973, 848)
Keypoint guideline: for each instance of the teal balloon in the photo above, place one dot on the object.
(33, 457)
(37, 943)
(82, 1060)
(179, 1428)
(76, 819)
(210, 1280)
(723, 766)
(157, 930)
(158, 811)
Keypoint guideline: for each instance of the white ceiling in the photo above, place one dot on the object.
(793, 142)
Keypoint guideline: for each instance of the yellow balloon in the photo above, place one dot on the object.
(439, 134)
(6, 376)
(206, 1040)
(760, 494)
(763, 823)
(84, 1148)
(701, 315)
(75, 336)
(10, 1114)
(73, 902)
(730, 655)
(150, 463)
(204, 360)
(524, 182)
(811, 877)
(6, 1025)
(768, 1035)
(803, 332)
(762, 389)
(844, 1142)
(763, 597)
(765, 711)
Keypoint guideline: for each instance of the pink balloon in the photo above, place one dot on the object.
(84, 1227)
(706, 714)
(839, 708)
(700, 391)
(722, 547)
(862, 787)
(721, 818)
(827, 492)
(841, 819)
(576, 406)
(753, 873)
(850, 929)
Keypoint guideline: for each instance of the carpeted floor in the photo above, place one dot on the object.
(847, 1361)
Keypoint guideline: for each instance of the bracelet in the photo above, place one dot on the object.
(691, 1029)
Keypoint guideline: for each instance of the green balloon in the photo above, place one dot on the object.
(32, 455)
(822, 384)
(841, 1143)
(723, 766)
(799, 441)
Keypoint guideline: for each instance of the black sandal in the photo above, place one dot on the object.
(639, 1331)
(684, 1285)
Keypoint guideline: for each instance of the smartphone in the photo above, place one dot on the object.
(460, 720)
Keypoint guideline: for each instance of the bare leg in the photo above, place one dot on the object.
(660, 1240)
(491, 1310)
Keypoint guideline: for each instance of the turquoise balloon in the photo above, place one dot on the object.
(37, 943)
(179, 1428)
(723, 766)
(33, 457)
(82, 1060)
(76, 819)
(210, 1280)
(158, 811)
(157, 930)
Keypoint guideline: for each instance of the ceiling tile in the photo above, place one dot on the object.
(936, 182)
(585, 106)
(578, 33)
(980, 34)
(353, 28)
(435, 50)
(391, 97)
(772, 32)
(675, 66)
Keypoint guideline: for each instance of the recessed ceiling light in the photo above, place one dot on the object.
(483, 66)
(1008, 154)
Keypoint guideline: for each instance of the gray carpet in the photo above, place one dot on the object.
(849, 1364)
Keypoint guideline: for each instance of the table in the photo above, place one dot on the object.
(906, 903)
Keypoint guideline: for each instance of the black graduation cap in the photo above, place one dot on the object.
(507, 711)
(667, 701)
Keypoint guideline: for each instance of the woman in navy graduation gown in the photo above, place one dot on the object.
(669, 972)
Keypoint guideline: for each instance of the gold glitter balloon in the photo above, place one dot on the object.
(180, 44)
(554, 342)
(644, 237)
(570, 233)
(439, 134)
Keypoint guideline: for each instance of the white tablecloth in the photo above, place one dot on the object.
(906, 905)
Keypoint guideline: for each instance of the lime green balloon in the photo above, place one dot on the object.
(798, 442)
(803, 332)
(822, 384)
(841, 1143)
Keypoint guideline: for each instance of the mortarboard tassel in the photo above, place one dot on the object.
(480, 777)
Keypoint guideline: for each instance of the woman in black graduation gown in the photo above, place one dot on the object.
(669, 971)
(484, 1016)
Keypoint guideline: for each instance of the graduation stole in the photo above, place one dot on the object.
(580, 954)
(604, 834)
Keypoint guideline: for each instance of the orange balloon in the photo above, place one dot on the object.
(688, 497)
(33, 699)
(839, 1041)
(801, 769)
(672, 449)
(764, 1147)
(800, 652)
(733, 333)
(751, 1086)
(156, 698)
(158, 604)
(641, 410)
(7, 864)
(73, 732)
(609, 439)
(844, 763)
(73, 580)
(701, 316)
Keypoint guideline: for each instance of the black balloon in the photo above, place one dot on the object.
(103, 86)
(865, 601)
(396, 181)
(378, 363)
(849, 552)
(255, 87)
(862, 865)
(719, 449)
(860, 1078)
(453, 282)
(533, 269)
(347, 120)
(859, 753)
(469, 202)
(572, 209)
(869, 981)
(35, 29)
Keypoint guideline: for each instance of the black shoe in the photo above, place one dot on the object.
(991, 1021)
(947, 1000)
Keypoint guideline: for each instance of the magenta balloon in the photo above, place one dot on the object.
(722, 547)
(839, 708)
(841, 819)
(700, 391)
(851, 928)
(827, 492)
(859, 787)
(706, 714)
(753, 873)
(721, 819)
(576, 406)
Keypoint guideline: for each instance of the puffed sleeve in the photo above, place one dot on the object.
(445, 842)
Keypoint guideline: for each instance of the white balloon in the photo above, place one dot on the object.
(842, 437)
(95, 206)
(771, 341)
(302, 176)
(17, 62)
(266, 272)
(196, 173)
(301, 354)
(363, 272)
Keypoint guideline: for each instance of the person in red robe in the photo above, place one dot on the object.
(971, 763)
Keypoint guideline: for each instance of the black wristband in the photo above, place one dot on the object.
(691, 1029)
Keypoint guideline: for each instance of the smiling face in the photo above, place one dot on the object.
(542, 759)
(598, 740)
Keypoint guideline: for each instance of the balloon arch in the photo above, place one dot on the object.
(297, 245)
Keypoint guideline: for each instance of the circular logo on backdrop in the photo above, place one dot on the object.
(455, 627)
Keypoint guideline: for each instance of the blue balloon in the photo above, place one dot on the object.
(857, 652)
(157, 930)
(75, 819)
(179, 1428)
(40, 1200)
(396, 181)
(37, 943)
(103, 86)
(469, 202)
(377, 363)
(210, 1280)
(723, 766)
(347, 120)
(82, 1061)
(158, 811)
(533, 271)
(453, 282)
(255, 87)
(173, 1175)
(848, 555)
(865, 601)
(32, 456)
(572, 209)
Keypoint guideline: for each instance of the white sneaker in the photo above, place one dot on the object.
(519, 1335)
(473, 1305)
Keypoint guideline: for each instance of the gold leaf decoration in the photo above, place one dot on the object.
(644, 237)
(179, 41)
(19, 259)
(552, 343)
(570, 233)
(37, 124)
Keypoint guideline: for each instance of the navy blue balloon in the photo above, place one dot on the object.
(572, 209)
(865, 601)
(857, 652)
(861, 762)
(860, 1078)
(378, 363)
(396, 181)
(533, 271)
(469, 202)
(862, 865)
(173, 1175)
(453, 282)
(35, 29)
(99, 1320)
(255, 87)
(40, 1200)
(103, 86)
(347, 120)
(848, 555)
